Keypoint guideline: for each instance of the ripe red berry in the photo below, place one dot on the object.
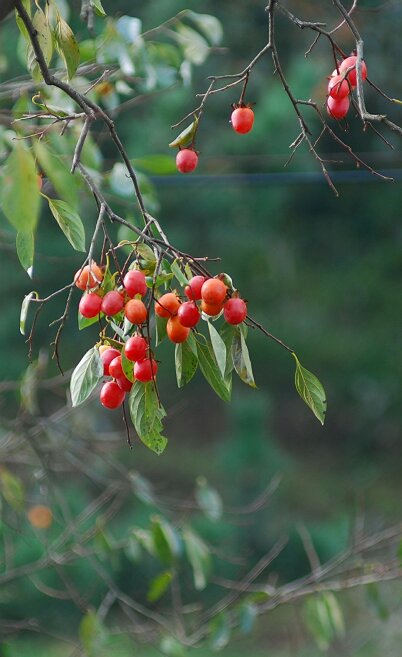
(338, 107)
(338, 87)
(193, 289)
(90, 305)
(112, 303)
(350, 62)
(111, 396)
(135, 283)
(135, 311)
(136, 348)
(124, 383)
(235, 311)
(242, 120)
(116, 368)
(107, 355)
(167, 305)
(145, 370)
(188, 314)
(213, 291)
(176, 332)
(186, 160)
(89, 276)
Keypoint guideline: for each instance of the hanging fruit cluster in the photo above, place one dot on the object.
(135, 311)
(341, 83)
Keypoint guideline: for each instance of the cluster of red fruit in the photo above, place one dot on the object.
(342, 81)
(126, 301)
(242, 120)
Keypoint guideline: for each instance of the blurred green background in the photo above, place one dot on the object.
(322, 273)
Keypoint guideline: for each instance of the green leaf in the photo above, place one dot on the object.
(146, 253)
(166, 542)
(61, 178)
(69, 222)
(248, 613)
(209, 25)
(178, 274)
(194, 46)
(186, 361)
(199, 557)
(241, 358)
(44, 35)
(12, 489)
(97, 7)
(208, 499)
(25, 243)
(67, 46)
(210, 370)
(160, 324)
(159, 586)
(324, 618)
(92, 633)
(156, 164)
(86, 376)
(219, 631)
(20, 194)
(147, 415)
(24, 310)
(128, 367)
(310, 390)
(227, 334)
(84, 322)
(219, 348)
(186, 137)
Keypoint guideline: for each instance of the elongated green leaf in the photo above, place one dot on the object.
(24, 310)
(97, 6)
(12, 489)
(128, 367)
(241, 358)
(145, 252)
(211, 372)
(195, 47)
(310, 390)
(93, 633)
(166, 542)
(160, 324)
(84, 322)
(218, 347)
(178, 274)
(186, 361)
(199, 557)
(219, 631)
(20, 194)
(44, 35)
(186, 136)
(159, 586)
(156, 164)
(209, 25)
(65, 184)
(69, 222)
(208, 499)
(67, 46)
(147, 414)
(324, 618)
(25, 243)
(86, 376)
(227, 334)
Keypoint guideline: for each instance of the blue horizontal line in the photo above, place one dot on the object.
(283, 178)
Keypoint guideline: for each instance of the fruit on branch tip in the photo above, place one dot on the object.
(90, 276)
(338, 87)
(193, 289)
(135, 311)
(352, 75)
(338, 107)
(40, 516)
(213, 291)
(145, 370)
(111, 395)
(112, 303)
(242, 120)
(176, 332)
(235, 311)
(211, 309)
(134, 283)
(186, 160)
(136, 348)
(167, 305)
(90, 305)
(124, 383)
(116, 368)
(188, 314)
(107, 355)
